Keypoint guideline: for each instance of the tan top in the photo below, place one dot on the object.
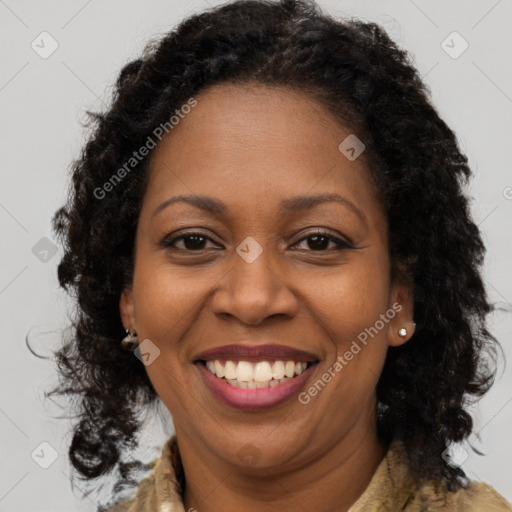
(391, 489)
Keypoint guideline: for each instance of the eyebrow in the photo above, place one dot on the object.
(287, 207)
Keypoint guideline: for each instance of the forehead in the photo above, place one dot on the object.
(254, 145)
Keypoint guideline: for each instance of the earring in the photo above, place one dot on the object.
(130, 341)
(402, 332)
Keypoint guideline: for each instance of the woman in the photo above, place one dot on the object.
(271, 218)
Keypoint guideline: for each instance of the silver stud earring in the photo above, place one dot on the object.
(130, 341)
(402, 332)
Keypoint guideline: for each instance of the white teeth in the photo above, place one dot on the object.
(230, 370)
(289, 369)
(262, 371)
(219, 369)
(244, 371)
(253, 385)
(261, 374)
(278, 370)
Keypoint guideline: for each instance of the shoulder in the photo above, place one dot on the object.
(145, 499)
(480, 497)
(394, 487)
(476, 497)
(160, 491)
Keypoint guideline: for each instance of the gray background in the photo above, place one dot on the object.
(43, 101)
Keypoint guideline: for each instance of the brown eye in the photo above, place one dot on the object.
(191, 242)
(319, 242)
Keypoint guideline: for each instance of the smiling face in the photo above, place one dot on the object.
(260, 268)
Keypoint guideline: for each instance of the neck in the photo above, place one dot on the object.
(332, 481)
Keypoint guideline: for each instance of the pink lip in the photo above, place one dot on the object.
(253, 399)
(255, 353)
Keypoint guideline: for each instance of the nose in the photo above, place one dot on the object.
(254, 291)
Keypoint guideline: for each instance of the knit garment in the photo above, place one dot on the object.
(391, 489)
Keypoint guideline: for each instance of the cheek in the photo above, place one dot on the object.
(165, 306)
(348, 300)
(164, 297)
(351, 306)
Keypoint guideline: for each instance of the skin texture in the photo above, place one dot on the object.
(251, 147)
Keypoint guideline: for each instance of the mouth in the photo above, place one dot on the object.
(255, 378)
(256, 375)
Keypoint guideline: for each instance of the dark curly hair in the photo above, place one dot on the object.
(371, 85)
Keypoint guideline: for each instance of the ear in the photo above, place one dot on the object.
(127, 309)
(402, 302)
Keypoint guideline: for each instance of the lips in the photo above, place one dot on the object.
(265, 387)
(255, 353)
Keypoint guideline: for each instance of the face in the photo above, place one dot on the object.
(312, 279)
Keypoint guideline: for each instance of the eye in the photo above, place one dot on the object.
(191, 242)
(319, 241)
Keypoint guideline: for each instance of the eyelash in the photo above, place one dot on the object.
(169, 242)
